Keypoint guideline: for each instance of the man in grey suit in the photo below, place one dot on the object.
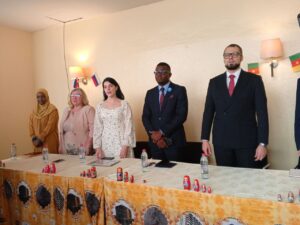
(236, 105)
(165, 111)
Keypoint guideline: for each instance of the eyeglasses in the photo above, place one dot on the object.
(75, 95)
(163, 72)
(233, 55)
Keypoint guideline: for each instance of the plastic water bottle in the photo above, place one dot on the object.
(13, 151)
(144, 160)
(82, 154)
(45, 154)
(204, 167)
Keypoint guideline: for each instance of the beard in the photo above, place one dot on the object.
(231, 66)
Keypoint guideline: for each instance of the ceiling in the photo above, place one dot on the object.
(33, 15)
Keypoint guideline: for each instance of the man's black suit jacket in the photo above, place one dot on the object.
(240, 120)
(297, 116)
(171, 117)
(297, 121)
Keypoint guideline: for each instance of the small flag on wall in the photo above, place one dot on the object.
(295, 61)
(76, 83)
(95, 80)
(253, 68)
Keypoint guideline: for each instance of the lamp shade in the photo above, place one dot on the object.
(271, 48)
(76, 71)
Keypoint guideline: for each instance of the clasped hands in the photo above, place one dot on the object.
(37, 142)
(158, 139)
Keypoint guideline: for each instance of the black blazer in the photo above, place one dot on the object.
(240, 120)
(171, 117)
(297, 117)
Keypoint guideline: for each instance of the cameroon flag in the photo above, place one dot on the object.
(253, 68)
(295, 60)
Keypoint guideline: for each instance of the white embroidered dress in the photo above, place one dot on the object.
(114, 128)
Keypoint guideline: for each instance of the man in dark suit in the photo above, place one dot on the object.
(165, 111)
(236, 104)
(297, 122)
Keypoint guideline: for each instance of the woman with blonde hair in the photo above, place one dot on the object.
(77, 124)
(43, 123)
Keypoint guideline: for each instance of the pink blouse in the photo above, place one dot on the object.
(76, 128)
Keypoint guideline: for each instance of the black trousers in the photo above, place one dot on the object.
(241, 157)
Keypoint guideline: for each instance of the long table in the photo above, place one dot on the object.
(239, 196)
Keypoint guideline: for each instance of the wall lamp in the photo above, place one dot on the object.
(271, 50)
(78, 72)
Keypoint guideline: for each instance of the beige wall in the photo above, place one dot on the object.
(16, 85)
(190, 35)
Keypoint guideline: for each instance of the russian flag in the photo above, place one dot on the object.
(76, 83)
(95, 80)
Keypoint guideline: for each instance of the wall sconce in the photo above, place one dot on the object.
(78, 72)
(271, 50)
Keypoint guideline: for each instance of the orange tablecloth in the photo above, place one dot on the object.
(30, 197)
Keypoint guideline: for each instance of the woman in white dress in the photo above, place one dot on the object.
(114, 134)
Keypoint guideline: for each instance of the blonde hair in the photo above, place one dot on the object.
(84, 98)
